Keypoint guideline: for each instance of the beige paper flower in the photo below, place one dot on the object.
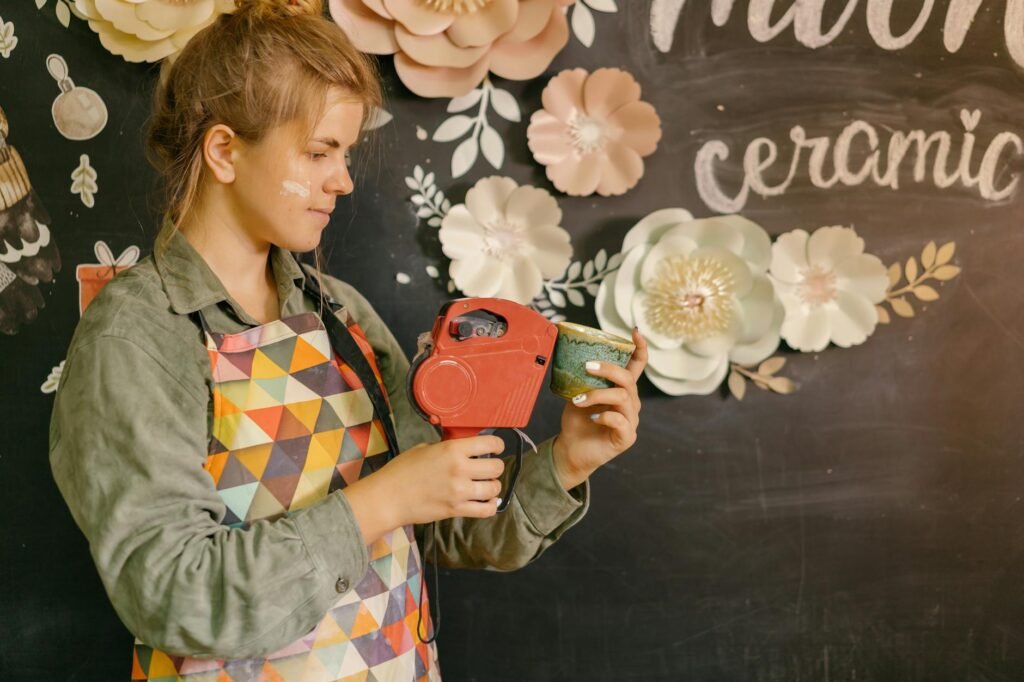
(505, 240)
(593, 132)
(445, 48)
(149, 30)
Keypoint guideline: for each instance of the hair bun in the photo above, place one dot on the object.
(275, 9)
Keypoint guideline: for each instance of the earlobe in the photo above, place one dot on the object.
(219, 146)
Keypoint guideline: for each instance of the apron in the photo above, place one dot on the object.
(292, 422)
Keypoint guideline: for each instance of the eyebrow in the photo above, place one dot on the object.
(329, 141)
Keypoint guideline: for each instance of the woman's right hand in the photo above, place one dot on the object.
(429, 483)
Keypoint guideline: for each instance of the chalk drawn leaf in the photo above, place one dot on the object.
(928, 255)
(493, 147)
(945, 253)
(583, 24)
(464, 157)
(926, 293)
(465, 101)
(505, 104)
(901, 307)
(737, 385)
(63, 13)
(894, 274)
(946, 272)
(378, 118)
(911, 270)
(452, 129)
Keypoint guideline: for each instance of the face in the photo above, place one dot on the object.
(284, 189)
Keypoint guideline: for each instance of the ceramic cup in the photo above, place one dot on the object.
(576, 345)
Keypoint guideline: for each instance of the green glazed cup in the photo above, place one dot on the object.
(576, 345)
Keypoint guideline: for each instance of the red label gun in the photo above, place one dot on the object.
(481, 368)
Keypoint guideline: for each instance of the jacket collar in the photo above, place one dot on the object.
(191, 285)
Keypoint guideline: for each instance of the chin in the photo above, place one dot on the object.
(296, 245)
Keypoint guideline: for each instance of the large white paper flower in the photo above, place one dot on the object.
(829, 287)
(505, 240)
(699, 292)
(149, 30)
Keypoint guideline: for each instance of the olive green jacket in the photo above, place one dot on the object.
(128, 439)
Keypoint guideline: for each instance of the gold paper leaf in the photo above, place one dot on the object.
(782, 385)
(928, 255)
(761, 385)
(737, 385)
(926, 293)
(894, 274)
(945, 253)
(771, 366)
(911, 270)
(883, 314)
(901, 307)
(946, 272)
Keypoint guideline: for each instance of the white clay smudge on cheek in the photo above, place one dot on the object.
(296, 188)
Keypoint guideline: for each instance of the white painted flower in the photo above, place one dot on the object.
(828, 286)
(505, 240)
(699, 292)
(149, 30)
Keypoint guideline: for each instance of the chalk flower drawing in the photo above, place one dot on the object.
(935, 264)
(8, 41)
(583, 24)
(149, 30)
(482, 136)
(445, 48)
(505, 240)
(699, 292)
(593, 132)
(828, 286)
(53, 379)
(83, 181)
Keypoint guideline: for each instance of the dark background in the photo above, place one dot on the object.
(867, 527)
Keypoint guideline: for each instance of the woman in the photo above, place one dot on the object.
(236, 475)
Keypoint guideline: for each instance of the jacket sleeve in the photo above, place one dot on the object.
(541, 510)
(128, 440)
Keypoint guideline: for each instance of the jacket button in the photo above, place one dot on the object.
(341, 586)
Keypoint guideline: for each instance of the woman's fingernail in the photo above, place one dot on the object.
(594, 417)
(593, 364)
(498, 499)
(581, 398)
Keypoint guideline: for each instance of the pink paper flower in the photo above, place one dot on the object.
(593, 132)
(445, 48)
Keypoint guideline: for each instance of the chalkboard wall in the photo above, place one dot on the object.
(866, 527)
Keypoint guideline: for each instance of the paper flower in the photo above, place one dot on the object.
(505, 240)
(445, 48)
(699, 292)
(829, 287)
(593, 132)
(149, 30)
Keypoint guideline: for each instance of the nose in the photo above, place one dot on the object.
(339, 181)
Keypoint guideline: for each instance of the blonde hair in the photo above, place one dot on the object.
(269, 63)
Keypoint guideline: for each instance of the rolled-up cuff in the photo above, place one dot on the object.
(550, 508)
(335, 543)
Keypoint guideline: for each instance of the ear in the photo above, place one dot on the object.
(220, 144)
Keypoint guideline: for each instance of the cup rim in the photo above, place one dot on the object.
(584, 329)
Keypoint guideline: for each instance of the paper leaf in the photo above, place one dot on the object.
(557, 298)
(946, 272)
(615, 261)
(901, 307)
(417, 172)
(576, 297)
(492, 146)
(781, 385)
(464, 157)
(894, 274)
(424, 212)
(588, 270)
(378, 118)
(737, 385)
(945, 253)
(771, 366)
(573, 272)
(63, 13)
(928, 255)
(926, 293)
(428, 180)
(883, 315)
(505, 104)
(465, 101)
(434, 222)
(911, 270)
(452, 129)
(593, 288)
(40, 3)
(583, 24)
(600, 260)
(602, 5)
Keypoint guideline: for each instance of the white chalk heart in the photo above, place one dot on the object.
(970, 118)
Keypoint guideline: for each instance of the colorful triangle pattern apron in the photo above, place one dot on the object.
(292, 422)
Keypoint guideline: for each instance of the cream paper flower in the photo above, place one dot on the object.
(699, 292)
(505, 240)
(149, 30)
(828, 286)
(445, 48)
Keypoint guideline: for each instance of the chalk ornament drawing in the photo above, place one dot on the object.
(8, 41)
(79, 113)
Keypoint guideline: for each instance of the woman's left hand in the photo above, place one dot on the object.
(601, 424)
